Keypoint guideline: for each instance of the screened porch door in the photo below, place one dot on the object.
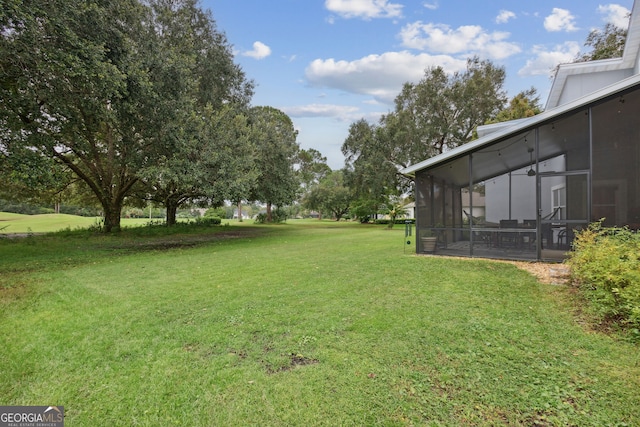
(563, 209)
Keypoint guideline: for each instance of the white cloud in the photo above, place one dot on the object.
(365, 9)
(546, 60)
(466, 39)
(431, 6)
(616, 14)
(321, 110)
(260, 51)
(560, 20)
(379, 76)
(504, 16)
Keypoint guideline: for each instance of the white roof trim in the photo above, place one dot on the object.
(628, 61)
(521, 125)
(484, 130)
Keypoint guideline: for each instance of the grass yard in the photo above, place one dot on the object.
(11, 223)
(307, 323)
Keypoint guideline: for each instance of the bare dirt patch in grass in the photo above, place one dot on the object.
(553, 274)
(549, 273)
(296, 360)
(180, 241)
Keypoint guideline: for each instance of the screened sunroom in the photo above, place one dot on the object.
(524, 189)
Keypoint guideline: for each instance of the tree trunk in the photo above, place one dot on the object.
(239, 211)
(112, 216)
(172, 209)
(269, 218)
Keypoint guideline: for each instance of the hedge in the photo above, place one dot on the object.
(605, 265)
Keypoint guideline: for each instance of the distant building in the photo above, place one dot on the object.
(243, 214)
(410, 210)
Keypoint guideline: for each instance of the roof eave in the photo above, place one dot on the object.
(523, 125)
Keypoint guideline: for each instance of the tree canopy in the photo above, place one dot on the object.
(329, 196)
(312, 167)
(524, 104)
(604, 43)
(440, 112)
(276, 153)
(112, 89)
(69, 69)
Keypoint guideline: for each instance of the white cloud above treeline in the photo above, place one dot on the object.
(560, 20)
(379, 76)
(440, 38)
(321, 110)
(545, 60)
(364, 9)
(260, 51)
(616, 14)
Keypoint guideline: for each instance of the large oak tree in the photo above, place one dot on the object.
(277, 150)
(104, 87)
(440, 112)
(202, 140)
(330, 196)
(75, 87)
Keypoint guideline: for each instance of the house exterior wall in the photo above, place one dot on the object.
(580, 85)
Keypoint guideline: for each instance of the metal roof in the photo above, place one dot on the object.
(522, 126)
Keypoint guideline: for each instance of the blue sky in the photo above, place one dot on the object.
(328, 63)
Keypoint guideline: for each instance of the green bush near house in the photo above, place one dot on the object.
(605, 264)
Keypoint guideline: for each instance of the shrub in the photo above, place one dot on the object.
(215, 212)
(79, 210)
(277, 216)
(23, 208)
(208, 221)
(396, 221)
(605, 264)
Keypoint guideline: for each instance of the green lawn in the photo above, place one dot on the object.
(307, 323)
(46, 223)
